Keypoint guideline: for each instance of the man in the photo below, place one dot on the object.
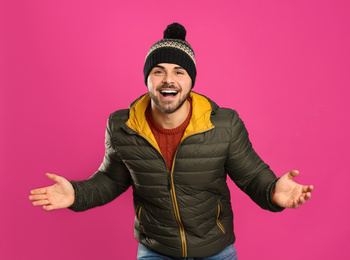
(175, 148)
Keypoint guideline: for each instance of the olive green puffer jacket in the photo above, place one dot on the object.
(184, 212)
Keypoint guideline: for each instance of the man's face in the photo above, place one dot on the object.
(169, 86)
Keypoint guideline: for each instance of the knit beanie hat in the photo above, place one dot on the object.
(173, 48)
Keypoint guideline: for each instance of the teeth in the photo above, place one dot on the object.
(169, 91)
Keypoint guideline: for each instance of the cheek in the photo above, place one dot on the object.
(186, 85)
(149, 82)
(152, 83)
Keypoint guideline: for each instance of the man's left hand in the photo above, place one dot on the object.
(289, 194)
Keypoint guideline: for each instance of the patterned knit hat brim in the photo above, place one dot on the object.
(170, 55)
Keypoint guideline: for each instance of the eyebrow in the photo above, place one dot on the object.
(176, 68)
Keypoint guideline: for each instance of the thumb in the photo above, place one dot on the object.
(292, 174)
(53, 177)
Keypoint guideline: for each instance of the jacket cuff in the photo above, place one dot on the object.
(75, 206)
(273, 206)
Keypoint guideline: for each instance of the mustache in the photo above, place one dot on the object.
(167, 86)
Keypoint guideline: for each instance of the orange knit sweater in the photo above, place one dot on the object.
(167, 139)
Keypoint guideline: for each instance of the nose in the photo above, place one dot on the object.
(168, 78)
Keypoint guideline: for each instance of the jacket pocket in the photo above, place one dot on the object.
(218, 219)
(139, 210)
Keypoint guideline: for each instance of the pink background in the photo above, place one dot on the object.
(66, 65)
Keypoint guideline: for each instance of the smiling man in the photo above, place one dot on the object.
(175, 148)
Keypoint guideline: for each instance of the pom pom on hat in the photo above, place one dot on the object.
(175, 31)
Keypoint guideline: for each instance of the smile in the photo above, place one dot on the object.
(168, 93)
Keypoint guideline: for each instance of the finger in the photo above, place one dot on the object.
(301, 200)
(40, 202)
(48, 207)
(38, 197)
(308, 188)
(294, 204)
(307, 196)
(38, 191)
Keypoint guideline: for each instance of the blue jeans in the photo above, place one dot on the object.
(143, 253)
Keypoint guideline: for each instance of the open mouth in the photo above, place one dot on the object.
(168, 93)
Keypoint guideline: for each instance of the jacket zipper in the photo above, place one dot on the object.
(176, 208)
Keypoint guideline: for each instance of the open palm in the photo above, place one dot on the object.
(58, 196)
(289, 194)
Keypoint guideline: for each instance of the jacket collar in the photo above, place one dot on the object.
(202, 108)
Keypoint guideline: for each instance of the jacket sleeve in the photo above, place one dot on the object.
(111, 180)
(247, 169)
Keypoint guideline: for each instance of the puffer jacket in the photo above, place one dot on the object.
(184, 212)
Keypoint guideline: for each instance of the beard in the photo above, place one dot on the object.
(169, 106)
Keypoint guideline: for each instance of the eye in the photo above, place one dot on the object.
(179, 72)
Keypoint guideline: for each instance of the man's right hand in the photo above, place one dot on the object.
(58, 196)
